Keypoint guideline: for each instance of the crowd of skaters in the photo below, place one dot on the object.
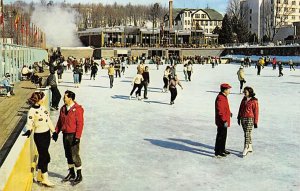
(247, 116)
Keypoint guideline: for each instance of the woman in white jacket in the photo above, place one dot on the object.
(39, 122)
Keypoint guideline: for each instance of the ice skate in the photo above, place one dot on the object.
(78, 178)
(70, 176)
(46, 180)
(39, 177)
(250, 149)
(246, 150)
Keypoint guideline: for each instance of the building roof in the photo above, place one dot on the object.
(213, 14)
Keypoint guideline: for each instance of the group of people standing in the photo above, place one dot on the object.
(247, 117)
(70, 123)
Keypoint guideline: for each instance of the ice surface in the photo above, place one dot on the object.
(131, 145)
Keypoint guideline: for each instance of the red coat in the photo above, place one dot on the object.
(249, 109)
(71, 122)
(222, 110)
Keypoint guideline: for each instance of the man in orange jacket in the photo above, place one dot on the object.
(222, 120)
(70, 122)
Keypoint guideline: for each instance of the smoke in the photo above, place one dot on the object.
(59, 25)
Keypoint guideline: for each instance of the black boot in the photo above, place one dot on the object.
(78, 178)
(70, 176)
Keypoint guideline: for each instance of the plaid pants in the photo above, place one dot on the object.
(247, 124)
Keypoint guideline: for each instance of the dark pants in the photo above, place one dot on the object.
(123, 70)
(258, 70)
(56, 96)
(166, 82)
(145, 85)
(71, 150)
(118, 73)
(139, 88)
(173, 92)
(111, 80)
(220, 140)
(93, 74)
(242, 84)
(280, 72)
(80, 77)
(189, 75)
(42, 142)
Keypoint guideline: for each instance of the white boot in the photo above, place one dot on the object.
(245, 152)
(46, 180)
(39, 177)
(250, 149)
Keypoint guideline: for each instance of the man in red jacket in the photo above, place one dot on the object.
(70, 122)
(222, 120)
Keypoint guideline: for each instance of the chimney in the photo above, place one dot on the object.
(171, 14)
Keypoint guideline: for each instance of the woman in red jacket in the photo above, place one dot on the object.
(248, 116)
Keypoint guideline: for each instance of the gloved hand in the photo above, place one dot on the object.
(76, 141)
(27, 133)
(255, 126)
(225, 124)
(230, 115)
(55, 136)
(239, 120)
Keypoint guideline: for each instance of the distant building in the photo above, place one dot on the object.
(198, 24)
(263, 16)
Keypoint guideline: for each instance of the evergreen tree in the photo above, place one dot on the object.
(226, 33)
(240, 28)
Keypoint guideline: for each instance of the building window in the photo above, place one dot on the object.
(189, 14)
(185, 22)
(286, 9)
(206, 30)
(250, 11)
(293, 10)
(278, 1)
(250, 26)
(203, 16)
(293, 17)
(202, 23)
(250, 18)
(286, 2)
(293, 2)
(185, 14)
(189, 22)
(197, 16)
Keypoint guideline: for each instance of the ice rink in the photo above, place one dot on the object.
(131, 145)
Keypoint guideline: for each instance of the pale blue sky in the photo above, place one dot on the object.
(219, 5)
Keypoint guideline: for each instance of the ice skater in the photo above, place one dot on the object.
(248, 117)
(172, 87)
(241, 77)
(189, 70)
(38, 121)
(280, 68)
(291, 64)
(166, 79)
(111, 72)
(146, 81)
(137, 83)
(70, 122)
(222, 120)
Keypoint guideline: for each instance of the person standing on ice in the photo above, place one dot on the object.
(248, 117)
(291, 64)
(274, 62)
(189, 70)
(172, 87)
(241, 77)
(166, 79)
(111, 72)
(280, 68)
(38, 121)
(137, 83)
(70, 123)
(146, 81)
(222, 120)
